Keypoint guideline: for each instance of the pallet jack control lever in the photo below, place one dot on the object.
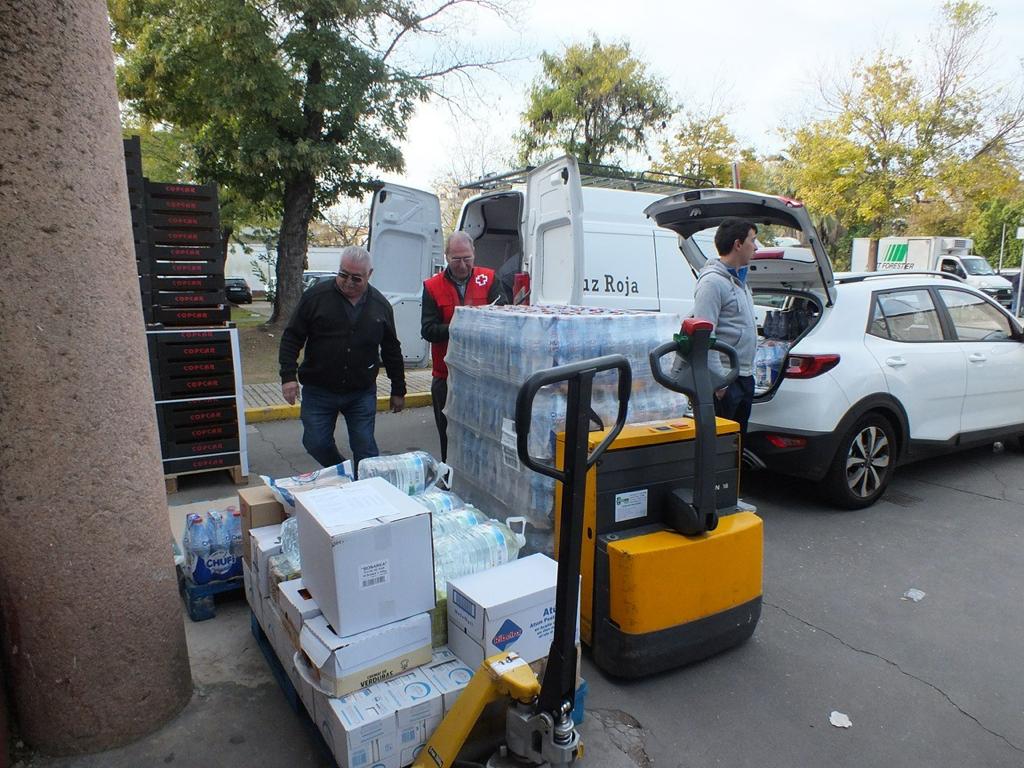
(539, 730)
(691, 376)
(559, 686)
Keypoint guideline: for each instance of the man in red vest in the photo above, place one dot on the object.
(461, 284)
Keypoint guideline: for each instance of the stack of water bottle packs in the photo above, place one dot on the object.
(349, 588)
(213, 546)
(780, 330)
(493, 350)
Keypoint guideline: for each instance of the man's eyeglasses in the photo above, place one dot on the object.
(463, 259)
(350, 277)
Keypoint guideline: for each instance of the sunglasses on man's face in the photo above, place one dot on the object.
(350, 277)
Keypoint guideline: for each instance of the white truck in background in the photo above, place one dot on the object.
(932, 254)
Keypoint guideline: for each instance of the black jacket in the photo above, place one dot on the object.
(338, 356)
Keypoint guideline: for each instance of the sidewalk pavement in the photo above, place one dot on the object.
(263, 402)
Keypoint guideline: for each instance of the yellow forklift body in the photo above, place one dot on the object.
(663, 579)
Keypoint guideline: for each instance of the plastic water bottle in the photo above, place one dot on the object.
(196, 543)
(235, 532)
(475, 549)
(438, 501)
(411, 472)
(452, 520)
(290, 542)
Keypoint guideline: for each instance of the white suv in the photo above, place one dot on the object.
(856, 374)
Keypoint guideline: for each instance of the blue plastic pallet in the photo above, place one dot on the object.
(199, 597)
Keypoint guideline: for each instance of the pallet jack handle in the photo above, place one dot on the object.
(559, 686)
(690, 375)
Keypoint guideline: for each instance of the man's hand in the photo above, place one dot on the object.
(290, 391)
(720, 393)
(397, 403)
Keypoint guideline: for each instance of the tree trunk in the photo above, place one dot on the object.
(291, 245)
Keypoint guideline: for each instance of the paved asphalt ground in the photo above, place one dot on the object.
(930, 683)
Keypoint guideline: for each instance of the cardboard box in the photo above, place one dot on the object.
(252, 595)
(449, 674)
(418, 706)
(265, 543)
(360, 730)
(342, 665)
(367, 554)
(281, 641)
(508, 608)
(259, 509)
(297, 605)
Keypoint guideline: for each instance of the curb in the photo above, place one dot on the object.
(284, 411)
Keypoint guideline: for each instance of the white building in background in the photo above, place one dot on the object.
(321, 259)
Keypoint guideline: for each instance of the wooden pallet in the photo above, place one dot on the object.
(199, 598)
(171, 481)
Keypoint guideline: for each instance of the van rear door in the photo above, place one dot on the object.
(407, 247)
(553, 254)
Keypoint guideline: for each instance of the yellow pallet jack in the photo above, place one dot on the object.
(671, 569)
(539, 730)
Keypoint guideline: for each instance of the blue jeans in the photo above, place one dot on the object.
(319, 413)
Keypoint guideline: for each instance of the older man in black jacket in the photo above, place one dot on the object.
(347, 328)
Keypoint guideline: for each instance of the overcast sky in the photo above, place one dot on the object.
(759, 60)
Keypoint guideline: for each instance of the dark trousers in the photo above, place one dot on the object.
(439, 396)
(736, 402)
(319, 414)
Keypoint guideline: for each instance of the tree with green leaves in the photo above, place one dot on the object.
(703, 146)
(590, 102)
(289, 103)
(910, 147)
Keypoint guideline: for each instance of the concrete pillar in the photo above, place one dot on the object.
(90, 621)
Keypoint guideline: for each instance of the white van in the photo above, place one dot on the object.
(582, 239)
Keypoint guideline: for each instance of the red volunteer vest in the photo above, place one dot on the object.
(446, 296)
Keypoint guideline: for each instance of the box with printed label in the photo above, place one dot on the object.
(259, 509)
(360, 731)
(265, 543)
(508, 608)
(296, 603)
(449, 673)
(341, 665)
(419, 708)
(367, 554)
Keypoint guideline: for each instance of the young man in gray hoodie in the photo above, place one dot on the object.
(723, 297)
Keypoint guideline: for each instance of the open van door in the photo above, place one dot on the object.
(553, 253)
(407, 247)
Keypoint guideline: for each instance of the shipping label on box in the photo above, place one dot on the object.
(259, 508)
(298, 605)
(367, 554)
(346, 664)
(449, 673)
(508, 608)
(360, 730)
(419, 707)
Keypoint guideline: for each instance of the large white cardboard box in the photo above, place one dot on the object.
(346, 664)
(367, 554)
(449, 673)
(360, 730)
(508, 608)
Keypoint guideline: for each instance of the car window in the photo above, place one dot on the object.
(974, 318)
(906, 316)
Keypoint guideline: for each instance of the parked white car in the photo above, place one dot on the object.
(860, 373)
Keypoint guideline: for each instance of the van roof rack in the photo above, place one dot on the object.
(604, 176)
(859, 277)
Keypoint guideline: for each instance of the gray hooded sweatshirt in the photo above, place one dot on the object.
(729, 304)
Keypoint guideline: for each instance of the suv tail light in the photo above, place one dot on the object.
(809, 366)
